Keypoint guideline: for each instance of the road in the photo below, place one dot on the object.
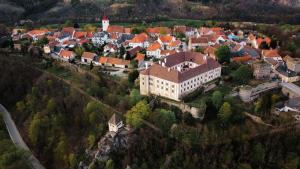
(17, 139)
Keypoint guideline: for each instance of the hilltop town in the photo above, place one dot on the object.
(163, 91)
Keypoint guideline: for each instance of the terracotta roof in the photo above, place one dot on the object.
(127, 30)
(37, 32)
(159, 30)
(115, 29)
(167, 52)
(166, 38)
(180, 29)
(66, 54)
(270, 53)
(176, 76)
(135, 50)
(69, 30)
(210, 50)
(140, 57)
(79, 34)
(140, 38)
(175, 43)
(199, 40)
(115, 61)
(88, 55)
(245, 58)
(154, 46)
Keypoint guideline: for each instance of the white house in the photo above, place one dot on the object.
(88, 57)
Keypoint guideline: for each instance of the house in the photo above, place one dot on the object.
(132, 52)
(78, 35)
(165, 53)
(261, 70)
(37, 34)
(272, 53)
(140, 58)
(47, 49)
(110, 48)
(211, 52)
(285, 74)
(115, 123)
(115, 29)
(174, 45)
(292, 63)
(88, 57)
(256, 42)
(165, 40)
(156, 31)
(200, 42)
(178, 74)
(139, 40)
(100, 38)
(66, 55)
(154, 50)
(113, 62)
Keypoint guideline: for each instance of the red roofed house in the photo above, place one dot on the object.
(139, 40)
(114, 62)
(200, 42)
(88, 57)
(178, 75)
(272, 53)
(140, 58)
(211, 52)
(154, 50)
(37, 34)
(80, 35)
(66, 55)
(156, 31)
(174, 45)
(166, 39)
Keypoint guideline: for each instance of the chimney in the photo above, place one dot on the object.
(146, 65)
(178, 68)
(163, 64)
(169, 69)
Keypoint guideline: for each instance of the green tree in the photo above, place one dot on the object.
(61, 149)
(79, 51)
(37, 127)
(21, 107)
(72, 161)
(42, 42)
(91, 140)
(258, 155)
(223, 54)
(134, 96)
(133, 76)
(137, 113)
(244, 166)
(51, 106)
(217, 99)
(242, 75)
(225, 112)
(165, 119)
(110, 164)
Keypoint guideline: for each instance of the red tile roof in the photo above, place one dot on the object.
(115, 29)
(166, 38)
(79, 34)
(154, 46)
(115, 61)
(140, 38)
(88, 55)
(66, 54)
(159, 30)
(140, 57)
(270, 53)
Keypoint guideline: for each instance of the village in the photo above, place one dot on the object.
(175, 65)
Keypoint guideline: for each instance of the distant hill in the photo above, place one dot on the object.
(50, 11)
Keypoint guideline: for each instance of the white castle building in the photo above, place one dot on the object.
(178, 75)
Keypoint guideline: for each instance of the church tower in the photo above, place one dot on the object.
(105, 23)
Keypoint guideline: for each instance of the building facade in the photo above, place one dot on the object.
(178, 75)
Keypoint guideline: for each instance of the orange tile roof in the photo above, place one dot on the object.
(175, 43)
(166, 38)
(115, 29)
(140, 57)
(154, 46)
(270, 53)
(167, 52)
(37, 32)
(128, 30)
(245, 58)
(140, 38)
(66, 54)
(210, 50)
(115, 61)
(69, 30)
(159, 30)
(180, 28)
(79, 34)
(88, 55)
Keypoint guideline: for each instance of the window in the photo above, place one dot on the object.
(174, 86)
(172, 91)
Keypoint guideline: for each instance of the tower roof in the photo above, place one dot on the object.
(105, 18)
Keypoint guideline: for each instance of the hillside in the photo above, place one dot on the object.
(49, 11)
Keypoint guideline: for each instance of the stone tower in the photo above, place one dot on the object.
(105, 23)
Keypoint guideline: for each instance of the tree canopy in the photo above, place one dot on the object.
(137, 113)
(223, 54)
